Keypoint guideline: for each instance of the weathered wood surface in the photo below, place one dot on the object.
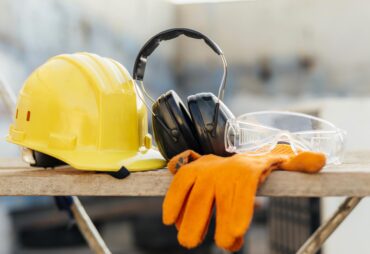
(351, 178)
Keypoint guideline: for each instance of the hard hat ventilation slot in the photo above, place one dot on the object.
(16, 114)
(28, 116)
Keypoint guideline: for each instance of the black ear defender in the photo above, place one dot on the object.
(201, 127)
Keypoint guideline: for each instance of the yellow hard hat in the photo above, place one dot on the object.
(85, 110)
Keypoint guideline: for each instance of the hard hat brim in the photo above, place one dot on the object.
(109, 161)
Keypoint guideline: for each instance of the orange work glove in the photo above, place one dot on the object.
(231, 184)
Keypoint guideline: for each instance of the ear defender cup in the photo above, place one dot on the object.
(209, 115)
(172, 125)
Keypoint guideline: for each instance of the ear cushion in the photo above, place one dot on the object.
(202, 110)
(173, 128)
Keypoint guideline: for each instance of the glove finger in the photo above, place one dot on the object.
(181, 215)
(179, 220)
(238, 243)
(177, 194)
(246, 187)
(197, 214)
(308, 162)
(235, 215)
(224, 196)
(242, 207)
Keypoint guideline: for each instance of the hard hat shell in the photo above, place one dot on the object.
(84, 109)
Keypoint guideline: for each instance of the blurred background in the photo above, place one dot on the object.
(307, 55)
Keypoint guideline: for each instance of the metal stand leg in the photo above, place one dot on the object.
(87, 228)
(317, 239)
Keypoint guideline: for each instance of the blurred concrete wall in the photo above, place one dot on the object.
(32, 31)
(283, 49)
(278, 51)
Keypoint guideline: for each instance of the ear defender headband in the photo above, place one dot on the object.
(176, 129)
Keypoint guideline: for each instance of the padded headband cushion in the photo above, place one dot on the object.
(178, 134)
(202, 110)
(45, 161)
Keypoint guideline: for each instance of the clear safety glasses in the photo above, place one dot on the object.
(260, 132)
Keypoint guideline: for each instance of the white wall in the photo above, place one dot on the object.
(351, 236)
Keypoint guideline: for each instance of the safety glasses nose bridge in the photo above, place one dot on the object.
(296, 142)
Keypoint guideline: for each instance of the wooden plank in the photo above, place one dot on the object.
(324, 184)
(68, 181)
(17, 179)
